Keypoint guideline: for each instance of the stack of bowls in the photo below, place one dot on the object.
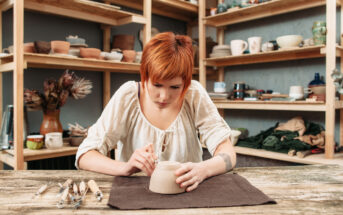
(220, 51)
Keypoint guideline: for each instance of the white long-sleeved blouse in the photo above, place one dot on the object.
(123, 125)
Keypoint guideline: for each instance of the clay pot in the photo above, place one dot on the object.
(42, 47)
(163, 179)
(60, 47)
(90, 53)
(129, 56)
(123, 42)
(28, 48)
(51, 122)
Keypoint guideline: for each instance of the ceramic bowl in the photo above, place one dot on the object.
(90, 53)
(74, 51)
(318, 89)
(28, 48)
(163, 179)
(129, 56)
(42, 47)
(138, 58)
(234, 136)
(60, 47)
(76, 140)
(75, 40)
(289, 41)
(114, 56)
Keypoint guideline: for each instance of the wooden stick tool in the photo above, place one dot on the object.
(95, 189)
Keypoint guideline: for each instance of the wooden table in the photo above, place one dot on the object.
(311, 189)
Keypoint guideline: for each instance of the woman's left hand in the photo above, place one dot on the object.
(190, 175)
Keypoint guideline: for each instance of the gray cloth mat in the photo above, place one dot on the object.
(132, 193)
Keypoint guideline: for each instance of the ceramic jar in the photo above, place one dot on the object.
(319, 32)
(42, 47)
(163, 179)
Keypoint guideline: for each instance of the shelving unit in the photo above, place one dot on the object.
(330, 52)
(104, 14)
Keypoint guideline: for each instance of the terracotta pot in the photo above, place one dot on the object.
(42, 47)
(90, 53)
(129, 56)
(28, 48)
(51, 122)
(60, 47)
(123, 42)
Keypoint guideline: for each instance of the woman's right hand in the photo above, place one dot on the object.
(142, 159)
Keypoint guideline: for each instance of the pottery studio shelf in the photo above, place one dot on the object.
(30, 155)
(59, 62)
(310, 159)
(81, 9)
(177, 9)
(274, 105)
(266, 9)
(272, 56)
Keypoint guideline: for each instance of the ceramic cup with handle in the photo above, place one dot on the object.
(53, 140)
(297, 92)
(238, 46)
(254, 44)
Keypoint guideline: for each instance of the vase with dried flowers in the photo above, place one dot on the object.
(54, 97)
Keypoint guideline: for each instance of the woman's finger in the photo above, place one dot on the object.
(144, 160)
(193, 187)
(183, 178)
(183, 169)
(189, 182)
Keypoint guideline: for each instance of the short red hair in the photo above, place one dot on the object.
(167, 56)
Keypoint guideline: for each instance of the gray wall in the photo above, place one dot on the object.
(39, 26)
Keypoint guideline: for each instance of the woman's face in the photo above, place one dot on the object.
(165, 93)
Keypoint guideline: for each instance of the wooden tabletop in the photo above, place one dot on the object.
(311, 189)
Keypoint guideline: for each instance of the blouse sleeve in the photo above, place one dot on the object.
(212, 127)
(111, 126)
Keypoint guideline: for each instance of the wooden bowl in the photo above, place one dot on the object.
(60, 47)
(90, 53)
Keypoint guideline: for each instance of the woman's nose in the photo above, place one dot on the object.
(164, 94)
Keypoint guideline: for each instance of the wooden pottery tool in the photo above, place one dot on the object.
(63, 198)
(95, 189)
(66, 184)
(302, 154)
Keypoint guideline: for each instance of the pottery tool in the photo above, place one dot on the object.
(79, 202)
(83, 187)
(66, 184)
(63, 198)
(95, 189)
(42, 189)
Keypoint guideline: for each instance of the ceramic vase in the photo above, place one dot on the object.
(51, 122)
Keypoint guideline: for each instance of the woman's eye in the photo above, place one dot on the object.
(175, 87)
(158, 85)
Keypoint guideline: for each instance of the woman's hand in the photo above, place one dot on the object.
(190, 175)
(141, 160)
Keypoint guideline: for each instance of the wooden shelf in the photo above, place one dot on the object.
(264, 57)
(82, 9)
(261, 10)
(310, 159)
(58, 62)
(274, 105)
(175, 9)
(45, 153)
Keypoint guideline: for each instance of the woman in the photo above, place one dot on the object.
(160, 118)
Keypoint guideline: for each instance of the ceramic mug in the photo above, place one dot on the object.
(297, 92)
(238, 46)
(219, 87)
(53, 140)
(268, 46)
(254, 44)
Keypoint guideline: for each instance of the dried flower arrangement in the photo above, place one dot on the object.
(56, 92)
